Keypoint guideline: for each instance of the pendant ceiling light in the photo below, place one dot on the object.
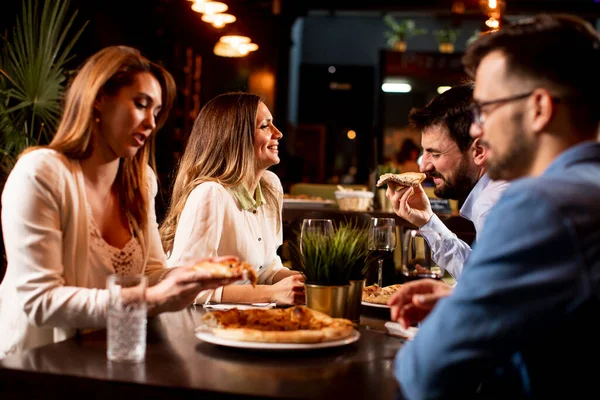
(209, 7)
(218, 20)
(234, 46)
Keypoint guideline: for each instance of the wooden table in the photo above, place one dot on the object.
(178, 365)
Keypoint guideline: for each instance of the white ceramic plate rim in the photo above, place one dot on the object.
(364, 303)
(208, 337)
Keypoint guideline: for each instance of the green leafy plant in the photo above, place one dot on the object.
(446, 35)
(401, 30)
(336, 259)
(33, 76)
(476, 35)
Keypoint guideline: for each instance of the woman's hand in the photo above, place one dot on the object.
(289, 290)
(181, 285)
(410, 203)
(415, 300)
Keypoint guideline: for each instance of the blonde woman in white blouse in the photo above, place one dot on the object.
(226, 202)
(83, 208)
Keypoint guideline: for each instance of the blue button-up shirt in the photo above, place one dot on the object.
(529, 296)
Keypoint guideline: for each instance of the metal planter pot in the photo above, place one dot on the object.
(330, 300)
(354, 300)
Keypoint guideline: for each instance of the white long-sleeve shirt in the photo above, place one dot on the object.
(214, 223)
(53, 285)
(448, 251)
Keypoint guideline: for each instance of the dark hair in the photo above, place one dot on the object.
(451, 109)
(561, 52)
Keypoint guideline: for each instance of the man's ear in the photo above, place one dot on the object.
(542, 111)
(479, 152)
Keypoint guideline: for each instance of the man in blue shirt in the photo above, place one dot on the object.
(456, 162)
(523, 320)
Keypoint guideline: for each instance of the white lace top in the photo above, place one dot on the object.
(126, 261)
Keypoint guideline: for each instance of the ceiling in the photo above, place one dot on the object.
(294, 8)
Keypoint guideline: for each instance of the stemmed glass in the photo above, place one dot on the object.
(320, 227)
(416, 257)
(381, 242)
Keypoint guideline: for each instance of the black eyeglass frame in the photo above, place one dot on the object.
(476, 106)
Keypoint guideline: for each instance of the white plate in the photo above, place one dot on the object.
(208, 337)
(229, 306)
(364, 303)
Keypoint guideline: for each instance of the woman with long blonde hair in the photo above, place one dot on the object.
(225, 201)
(82, 208)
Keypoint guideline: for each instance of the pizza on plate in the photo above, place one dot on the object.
(379, 295)
(298, 324)
(406, 179)
(228, 269)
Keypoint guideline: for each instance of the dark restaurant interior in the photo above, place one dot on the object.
(339, 88)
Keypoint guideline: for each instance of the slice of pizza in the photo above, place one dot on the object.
(406, 179)
(228, 269)
(298, 324)
(379, 295)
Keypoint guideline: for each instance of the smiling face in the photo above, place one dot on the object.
(266, 139)
(454, 172)
(511, 149)
(128, 117)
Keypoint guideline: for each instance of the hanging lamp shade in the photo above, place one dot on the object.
(234, 40)
(209, 7)
(246, 48)
(218, 20)
(234, 46)
(226, 50)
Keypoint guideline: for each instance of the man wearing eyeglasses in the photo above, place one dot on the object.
(522, 323)
(457, 164)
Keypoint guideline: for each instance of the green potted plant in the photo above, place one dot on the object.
(33, 77)
(446, 38)
(333, 267)
(400, 31)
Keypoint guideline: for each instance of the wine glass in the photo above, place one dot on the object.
(321, 227)
(382, 242)
(416, 257)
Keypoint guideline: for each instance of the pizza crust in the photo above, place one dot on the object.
(297, 324)
(228, 269)
(379, 295)
(405, 179)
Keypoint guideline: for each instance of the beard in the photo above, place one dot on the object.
(457, 188)
(518, 157)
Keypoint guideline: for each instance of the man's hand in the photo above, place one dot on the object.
(415, 300)
(410, 203)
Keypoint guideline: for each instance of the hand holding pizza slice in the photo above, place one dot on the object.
(227, 268)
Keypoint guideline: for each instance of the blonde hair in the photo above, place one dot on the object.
(106, 72)
(220, 149)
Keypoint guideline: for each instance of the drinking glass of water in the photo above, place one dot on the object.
(127, 311)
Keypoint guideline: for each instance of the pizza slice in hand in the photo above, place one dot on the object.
(228, 268)
(406, 179)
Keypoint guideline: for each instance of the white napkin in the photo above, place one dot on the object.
(228, 306)
(395, 329)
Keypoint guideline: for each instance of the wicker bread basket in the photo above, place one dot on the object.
(354, 200)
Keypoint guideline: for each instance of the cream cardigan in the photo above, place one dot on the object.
(49, 291)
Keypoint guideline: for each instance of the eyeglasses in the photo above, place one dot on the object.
(479, 118)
